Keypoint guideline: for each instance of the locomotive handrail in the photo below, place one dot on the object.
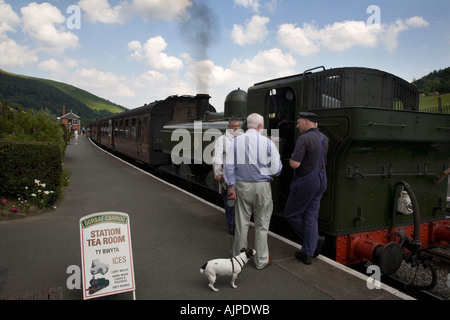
(374, 124)
(388, 173)
(309, 70)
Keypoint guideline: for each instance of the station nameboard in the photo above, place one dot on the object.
(106, 254)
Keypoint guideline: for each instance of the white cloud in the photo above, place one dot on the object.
(41, 20)
(390, 32)
(102, 84)
(340, 36)
(101, 11)
(9, 20)
(417, 22)
(58, 67)
(299, 40)
(12, 54)
(271, 61)
(154, 77)
(161, 9)
(15, 55)
(255, 31)
(252, 4)
(152, 54)
(122, 90)
(94, 78)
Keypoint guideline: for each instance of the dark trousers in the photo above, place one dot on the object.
(302, 207)
(229, 212)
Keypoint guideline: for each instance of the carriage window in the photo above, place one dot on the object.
(133, 129)
(126, 131)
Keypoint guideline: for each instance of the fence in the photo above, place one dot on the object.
(436, 109)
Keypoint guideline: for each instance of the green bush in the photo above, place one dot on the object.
(32, 171)
(30, 126)
(32, 148)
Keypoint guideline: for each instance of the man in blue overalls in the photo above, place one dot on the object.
(308, 185)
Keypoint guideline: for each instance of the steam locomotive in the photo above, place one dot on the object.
(387, 163)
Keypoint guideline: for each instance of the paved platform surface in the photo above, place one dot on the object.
(173, 235)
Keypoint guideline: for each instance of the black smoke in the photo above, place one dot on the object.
(200, 30)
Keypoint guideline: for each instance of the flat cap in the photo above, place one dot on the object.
(308, 115)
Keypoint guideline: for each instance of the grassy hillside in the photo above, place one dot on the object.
(430, 104)
(85, 97)
(432, 101)
(41, 94)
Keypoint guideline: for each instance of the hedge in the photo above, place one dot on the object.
(31, 169)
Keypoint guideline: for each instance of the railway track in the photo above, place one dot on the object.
(410, 277)
(439, 255)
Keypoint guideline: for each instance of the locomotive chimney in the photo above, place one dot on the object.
(202, 105)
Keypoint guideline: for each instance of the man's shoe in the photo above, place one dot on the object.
(303, 257)
(268, 264)
(320, 243)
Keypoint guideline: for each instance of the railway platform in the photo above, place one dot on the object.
(173, 235)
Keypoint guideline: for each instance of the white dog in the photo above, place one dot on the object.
(226, 267)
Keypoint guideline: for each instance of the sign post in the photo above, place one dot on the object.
(106, 254)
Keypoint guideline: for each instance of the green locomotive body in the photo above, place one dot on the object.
(379, 142)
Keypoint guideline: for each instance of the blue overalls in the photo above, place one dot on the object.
(302, 206)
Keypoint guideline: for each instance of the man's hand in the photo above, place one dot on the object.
(231, 193)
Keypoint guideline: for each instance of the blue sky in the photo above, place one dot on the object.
(133, 52)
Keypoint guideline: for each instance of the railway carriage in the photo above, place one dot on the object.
(137, 133)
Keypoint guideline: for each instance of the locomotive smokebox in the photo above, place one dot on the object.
(202, 105)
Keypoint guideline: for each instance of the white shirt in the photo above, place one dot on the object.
(220, 151)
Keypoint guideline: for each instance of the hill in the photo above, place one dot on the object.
(42, 94)
(436, 81)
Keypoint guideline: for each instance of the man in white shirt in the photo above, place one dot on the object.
(220, 154)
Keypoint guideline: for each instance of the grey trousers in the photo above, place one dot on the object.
(253, 198)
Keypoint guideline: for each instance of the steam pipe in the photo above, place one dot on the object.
(416, 240)
(416, 214)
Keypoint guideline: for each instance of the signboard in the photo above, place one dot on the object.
(106, 254)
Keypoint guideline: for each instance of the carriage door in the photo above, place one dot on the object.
(139, 139)
(110, 137)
